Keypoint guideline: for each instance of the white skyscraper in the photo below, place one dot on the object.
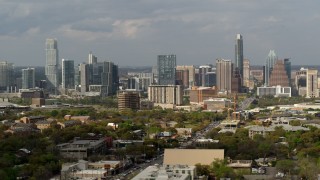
(52, 63)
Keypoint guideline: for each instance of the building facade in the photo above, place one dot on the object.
(279, 75)
(246, 72)
(68, 74)
(52, 63)
(165, 94)
(224, 75)
(312, 83)
(271, 60)
(28, 78)
(6, 76)
(239, 54)
(191, 72)
(166, 69)
(128, 100)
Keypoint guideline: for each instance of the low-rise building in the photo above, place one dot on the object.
(216, 104)
(44, 124)
(276, 91)
(192, 157)
(263, 130)
(174, 172)
(80, 149)
(69, 123)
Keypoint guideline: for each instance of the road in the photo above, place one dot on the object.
(245, 103)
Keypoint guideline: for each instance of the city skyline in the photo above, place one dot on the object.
(135, 32)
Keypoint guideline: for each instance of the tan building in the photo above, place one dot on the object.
(279, 75)
(182, 78)
(191, 157)
(199, 94)
(191, 73)
(165, 94)
(246, 72)
(312, 83)
(128, 100)
(216, 104)
(224, 75)
(257, 74)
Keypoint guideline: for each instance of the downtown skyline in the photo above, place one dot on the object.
(135, 32)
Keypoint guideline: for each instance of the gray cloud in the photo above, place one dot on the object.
(136, 31)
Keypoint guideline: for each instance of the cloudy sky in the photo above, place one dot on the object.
(134, 32)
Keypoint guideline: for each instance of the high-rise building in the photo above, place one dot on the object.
(166, 69)
(279, 76)
(224, 75)
(239, 54)
(191, 72)
(51, 70)
(128, 100)
(271, 60)
(6, 76)
(182, 78)
(92, 59)
(103, 75)
(301, 81)
(165, 94)
(201, 75)
(28, 78)
(287, 65)
(246, 72)
(312, 83)
(68, 74)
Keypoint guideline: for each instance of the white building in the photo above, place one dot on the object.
(276, 91)
(165, 94)
(172, 172)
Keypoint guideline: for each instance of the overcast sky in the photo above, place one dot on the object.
(134, 32)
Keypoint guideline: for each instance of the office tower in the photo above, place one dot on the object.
(133, 83)
(6, 76)
(51, 70)
(312, 83)
(68, 74)
(301, 81)
(128, 100)
(287, 65)
(271, 59)
(84, 77)
(182, 78)
(210, 79)
(279, 76)
(236, 81)
(165, 94)
(201, 77)
(191, 72)
(224, 75)
(239, 54)
(246, 72)
(28, 78)
(166, 69)
(92, 59)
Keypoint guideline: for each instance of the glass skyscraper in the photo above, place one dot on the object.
(271, 60)
(239, 55)
(166, 69)
(28, 78)
(68, 74)
(52, 63)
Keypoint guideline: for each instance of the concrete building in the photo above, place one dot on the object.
(92, 59)
(182, 78)
(68, 74)
(216, 104)
(166, 69)
(301, 81)
(312, 83)
(28, 78)
(224, 75)
(80, 149)
(128, 100)
(52, 65)
(165, 94)
(191, 157)
(276, 91)
(191, 72)
(246, 73)
(174, 172)
(199, 94)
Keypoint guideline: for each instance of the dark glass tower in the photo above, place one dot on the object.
(239, 54)
(166, 69)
